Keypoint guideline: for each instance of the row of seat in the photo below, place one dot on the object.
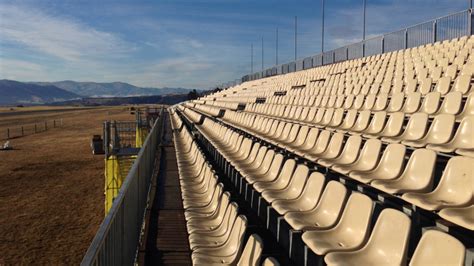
(385, 168)
(333, 225)
(443, 134)
(216, 231)
(433, 103)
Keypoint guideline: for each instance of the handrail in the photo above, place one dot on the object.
(465, 26)
(116, 240)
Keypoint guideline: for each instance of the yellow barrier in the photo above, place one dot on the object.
(140, 136)
(116, 170)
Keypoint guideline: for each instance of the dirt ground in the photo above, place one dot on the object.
(51, 187)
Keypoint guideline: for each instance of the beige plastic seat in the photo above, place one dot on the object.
(451, 104)
(308, 198)
(431, 103)
(349, 121)
(309, 142)
(387, 244)
(440, 132)
(269, 175)
(204, 220)
(351, 231)
(438, 248)
(225, 253)
(300, 139)
(270, 261)
(261, 168)
(253, 162)
(462, 142)
(281, 181)
(218, 234)
(252, 252)
(462, 216)
(361, 123)
(293, 189)
(393, 127)
(415, 129)
(455, 188)
(325, 214)
(417, 176)
(348, 155)
(320, 145)
(468, 109)
(389, 167)
(377, 124)
(366, 161)
(332, 150)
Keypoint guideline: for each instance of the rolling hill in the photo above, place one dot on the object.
(112, 89)
(14, 92)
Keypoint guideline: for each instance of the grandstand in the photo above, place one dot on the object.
(366, 161)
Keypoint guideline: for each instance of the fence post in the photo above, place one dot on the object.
(434, 30)
(406, 38)
(45, 125)
(383, 44)
(469, 22)
(22, 131)
(8, 133)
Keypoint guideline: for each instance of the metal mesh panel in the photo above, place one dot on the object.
(373, 46)
(420, 34)
(328, 58)
(340, 54)
(354, 50)
(452, 26)
(394, 41)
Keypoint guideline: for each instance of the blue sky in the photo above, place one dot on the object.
(194, 44)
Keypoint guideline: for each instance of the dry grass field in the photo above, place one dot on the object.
(51, 193)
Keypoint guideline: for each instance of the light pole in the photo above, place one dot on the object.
(276, 53)
(262, 53)
(296, 41)
(363, 30)
(322, 27)
(251, 58)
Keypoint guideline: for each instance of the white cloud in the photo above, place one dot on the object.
(18, 69)
(54, 35)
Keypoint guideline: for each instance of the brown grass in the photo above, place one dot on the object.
(51, 192)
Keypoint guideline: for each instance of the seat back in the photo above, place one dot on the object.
(389, 239)
(438, 248)
(252, 251)
(331, 203)
(270, 261)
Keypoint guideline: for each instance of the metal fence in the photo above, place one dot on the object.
(118, 236)
(29, 129)
(444, 28)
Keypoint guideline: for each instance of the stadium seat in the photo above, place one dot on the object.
(462, 216)
(325, 214)
(351, 231)
(438, 248)
(252, 251)
(387, 244)
(452, 190)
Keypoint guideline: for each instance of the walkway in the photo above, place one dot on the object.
(167, 242)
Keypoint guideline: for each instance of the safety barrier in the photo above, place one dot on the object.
(118, 236)
(444, 28)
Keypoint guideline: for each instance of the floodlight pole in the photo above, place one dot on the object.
(296, 34)
(251, 58)
(363, 31)
(322, 27)
(276, 53)
(262, 53)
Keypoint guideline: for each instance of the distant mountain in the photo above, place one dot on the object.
(14, 92)
(112, 89)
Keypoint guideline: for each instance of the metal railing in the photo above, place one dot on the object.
(443, 28)
(117, 239)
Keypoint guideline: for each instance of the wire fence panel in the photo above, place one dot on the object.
(354, 51)
(394, 41)
(448, 27)
(373, 46)
(317, 60)
(340, 54)
(299, 65)
(452, 26)
(420, 34)
(117, 239)
(307, 63)
(328, 58)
